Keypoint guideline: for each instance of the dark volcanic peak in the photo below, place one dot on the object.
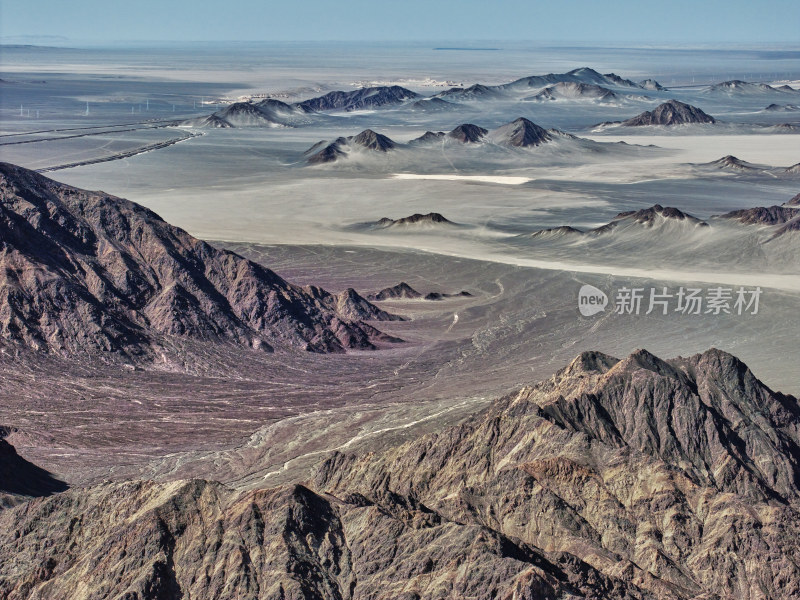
(429, 137)
(763, 215)
(468, 133)
(84, 272)
(793, 170)
(632, 479)
(371, 97)
(401, 290)
(652, 85)
(436, 296)
(796, 200)
(473, 92)
(324, 152)
(582, 75)
(243, 114)
(784, 128)
(373, 141)
(550, 232)
(782, 108)
(277, 106)
(737, 86)
(671, 112)
(620, 81)
(415, 220)
(211, 122)
(650, 217)
(267, 113)
(575, 91)
(521, 133)
(731, 163)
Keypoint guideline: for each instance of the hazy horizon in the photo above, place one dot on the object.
(579, 21)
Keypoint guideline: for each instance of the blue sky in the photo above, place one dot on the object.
(642, 21)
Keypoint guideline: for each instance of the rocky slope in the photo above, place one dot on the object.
(417, 219)
(583, 75)
(574, 91)
(21, 480)
(266, 113)
(737, 87)
(732, 163)
(87, 272)
(671, 112)
(615, 479)
(468, 133)
(680, 477)
(401, 290)
(326, 152)
(364, 98)
(521, 133)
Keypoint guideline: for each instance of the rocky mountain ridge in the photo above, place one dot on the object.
(86, 272)
(631, 479)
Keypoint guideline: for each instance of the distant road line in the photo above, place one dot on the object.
(79, 135)
(121, 155)
(152, 121)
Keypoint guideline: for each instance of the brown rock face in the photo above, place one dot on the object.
(615, 479)
(680, 477)
(87, 272)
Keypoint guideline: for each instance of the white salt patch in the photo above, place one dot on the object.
(501, 179)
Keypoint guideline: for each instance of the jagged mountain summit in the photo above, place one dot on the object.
(780, 219)
(632, 479)
(433, 219)
(732, 163)
(85, 272)
(266, 113)
(574, 91)
(468, 133)
(656, 216)
(368, 140)
(652, 85)
(521, 133)
(401, 290)
(583, 75)
(364, 98)
(671, 112)
(737, 87)
(471, 93)
(651, 470)
(782, 108)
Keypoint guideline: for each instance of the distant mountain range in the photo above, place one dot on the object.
(736, 87)
(578, 84)
(85, 272)
(520, 133)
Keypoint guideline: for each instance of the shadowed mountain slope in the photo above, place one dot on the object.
(87, 272)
